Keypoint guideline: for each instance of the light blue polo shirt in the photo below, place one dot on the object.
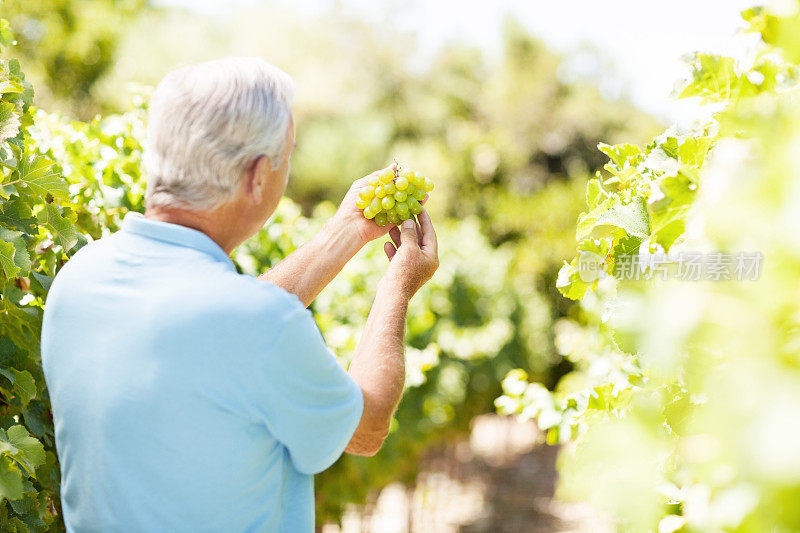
(187, 396)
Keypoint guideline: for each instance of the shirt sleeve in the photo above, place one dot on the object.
(307, 400)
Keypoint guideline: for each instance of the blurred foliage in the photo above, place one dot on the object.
(68, 45)
(685, 391)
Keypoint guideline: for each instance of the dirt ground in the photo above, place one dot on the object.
(502, 480)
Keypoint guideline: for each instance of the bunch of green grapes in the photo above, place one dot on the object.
(393, 195)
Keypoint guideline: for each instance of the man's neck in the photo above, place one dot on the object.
(214, 223)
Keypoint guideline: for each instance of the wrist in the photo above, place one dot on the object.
(391, 289)
(342, 236)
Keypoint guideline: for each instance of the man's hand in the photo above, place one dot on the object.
(349, 216)
(414, 256)
(307, 270)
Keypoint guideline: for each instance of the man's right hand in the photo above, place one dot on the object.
(414, 256)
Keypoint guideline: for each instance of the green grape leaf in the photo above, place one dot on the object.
(41, 177)
(694, 150)
(592, 191)
(31, 450)
(64, 232)
(8, 87)
(44, 280)
(37, 418)
(631, 217)
(621, 153)
(15, 214)
(8, 157)
(20, 325)
(569, 282)
(19, 444)
(23, 385)
(21, 257)
(10, 480)
(9, 120)
(7, 264)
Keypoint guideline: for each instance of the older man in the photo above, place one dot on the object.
(189, 397)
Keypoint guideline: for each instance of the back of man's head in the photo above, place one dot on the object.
(208, 122)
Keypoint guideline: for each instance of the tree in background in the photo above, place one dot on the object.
(68, 45)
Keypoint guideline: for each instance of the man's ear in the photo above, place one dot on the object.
(256, 179)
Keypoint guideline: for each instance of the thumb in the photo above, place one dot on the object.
(408, 233)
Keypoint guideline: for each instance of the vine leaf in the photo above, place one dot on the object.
(20, 257)
(10, 480)
(9, 121)
(7, 252)
(23, 447)
(63, 231)
(23, 385)
(16, 214)
(41, 176)
(632, 218)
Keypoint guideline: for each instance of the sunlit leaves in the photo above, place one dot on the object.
(23, 385)
(720, 79)
(15, 214)
(62, 227)
(7, 253)
(31, 190)
(39, 175)
(704, 387)
(9, 120)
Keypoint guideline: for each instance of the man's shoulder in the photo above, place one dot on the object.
(252, 295)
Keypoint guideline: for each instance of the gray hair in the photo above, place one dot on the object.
(208, 123)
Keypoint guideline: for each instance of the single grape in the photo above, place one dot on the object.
(369, 212)
(414, 207)
(420, 194)
(367, 193)
(392, 217)
(389, 188)
(374, 180)
(380, 192)
(375, 205)
(403, 211)
(381, 219)
(411, 189)
(400, 196)
(401, 183)
(406, 173)
(361, 203)
(387, 202)
(387, 175)
(417, 179)
(428, 184)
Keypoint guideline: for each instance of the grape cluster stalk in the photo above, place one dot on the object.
(393, 195)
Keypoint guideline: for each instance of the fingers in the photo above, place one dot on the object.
(394, 233)
(389, 249)
(408, 234)
(428, 234)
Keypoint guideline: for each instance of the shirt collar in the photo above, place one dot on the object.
(173, 233)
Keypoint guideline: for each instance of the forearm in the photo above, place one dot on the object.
(310, 268)
(379, 365)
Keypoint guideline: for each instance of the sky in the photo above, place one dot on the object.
(640, 41)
